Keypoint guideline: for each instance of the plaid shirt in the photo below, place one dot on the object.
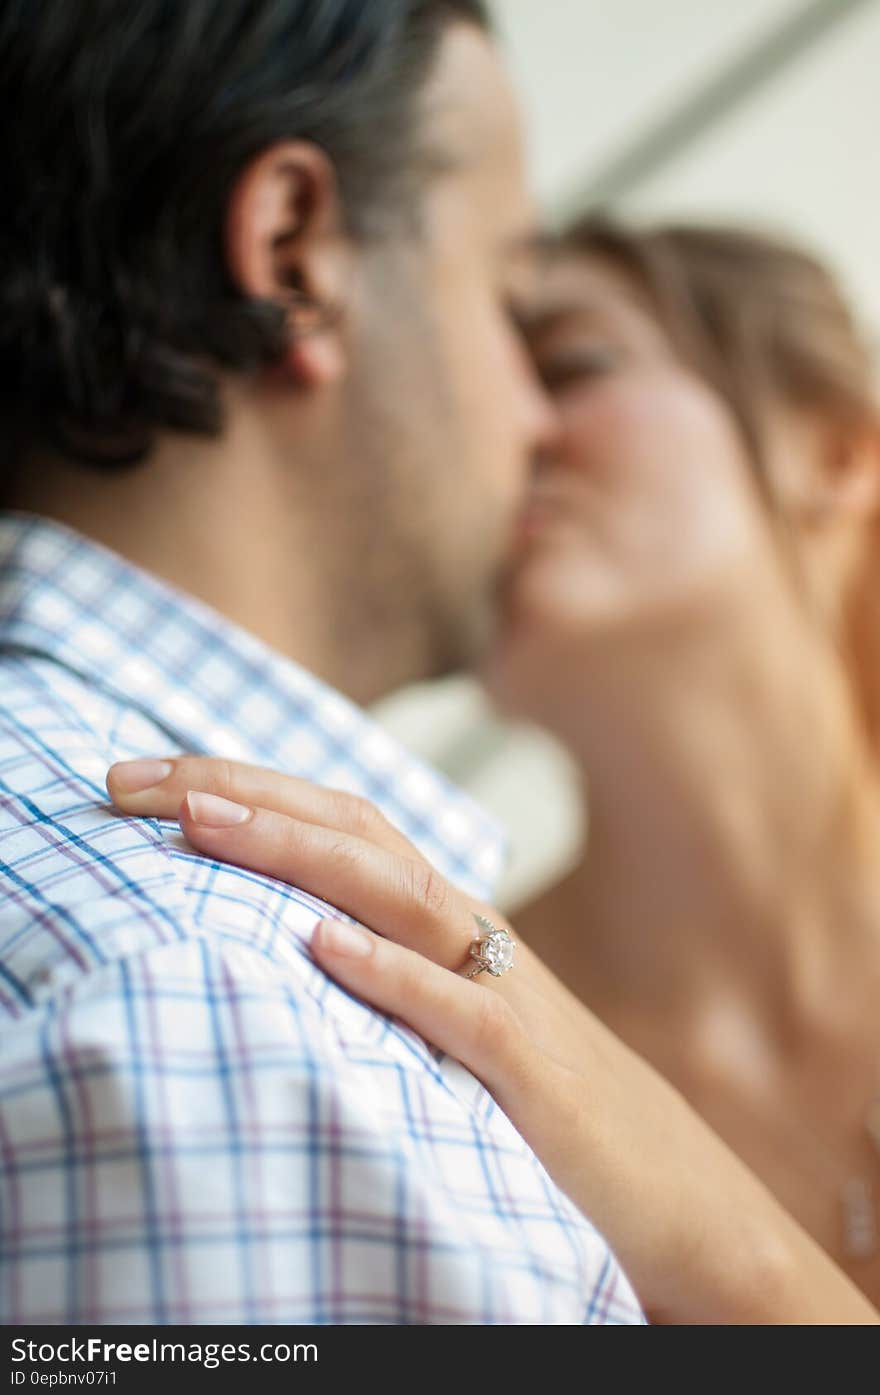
(196, 1125)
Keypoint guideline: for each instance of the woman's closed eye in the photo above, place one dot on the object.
(578, 364)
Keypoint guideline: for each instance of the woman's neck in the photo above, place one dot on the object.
(733, 837)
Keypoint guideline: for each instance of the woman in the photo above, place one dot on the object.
(697, 563)
(696, 620)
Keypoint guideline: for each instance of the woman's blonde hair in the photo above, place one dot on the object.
(762, 320)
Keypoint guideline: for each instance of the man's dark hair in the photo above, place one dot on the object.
(125, 123)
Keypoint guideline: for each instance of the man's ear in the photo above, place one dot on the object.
(285, 242)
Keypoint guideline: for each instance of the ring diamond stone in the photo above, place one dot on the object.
(492, 952)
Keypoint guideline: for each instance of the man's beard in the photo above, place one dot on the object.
(467, 637)
(398, 624)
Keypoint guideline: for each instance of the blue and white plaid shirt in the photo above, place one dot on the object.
(196, 1125)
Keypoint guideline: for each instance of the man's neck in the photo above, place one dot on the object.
(226, 522)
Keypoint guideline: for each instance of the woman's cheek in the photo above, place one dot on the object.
(623, 434)
(596, 425)
(663, 445)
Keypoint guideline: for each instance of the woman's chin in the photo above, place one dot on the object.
(529, 643)
(563, 615)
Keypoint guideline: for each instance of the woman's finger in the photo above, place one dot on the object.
(545, 1101)
(406, 900)
(454, 1013)
(156, 788)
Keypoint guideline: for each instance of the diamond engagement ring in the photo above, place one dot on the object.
(493, 951)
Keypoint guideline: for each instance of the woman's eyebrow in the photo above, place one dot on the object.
(545, 316)
(530, 243)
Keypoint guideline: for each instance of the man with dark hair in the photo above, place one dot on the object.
(267, 430)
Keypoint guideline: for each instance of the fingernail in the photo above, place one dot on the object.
(132, 776)
(213, 812)
(340, 938)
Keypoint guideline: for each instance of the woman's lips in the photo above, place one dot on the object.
(543, 509)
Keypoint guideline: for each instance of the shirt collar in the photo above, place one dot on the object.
(213, 688)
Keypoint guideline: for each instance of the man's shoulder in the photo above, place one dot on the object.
(82, 884)
(87, 888)
(102, 910)
(94, 897)
(167, 1009)
(53, 713)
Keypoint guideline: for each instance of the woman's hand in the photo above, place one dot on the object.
(700, 1237)
(340, 848)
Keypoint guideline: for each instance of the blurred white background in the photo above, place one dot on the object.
(792, 140)
(763, 111)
